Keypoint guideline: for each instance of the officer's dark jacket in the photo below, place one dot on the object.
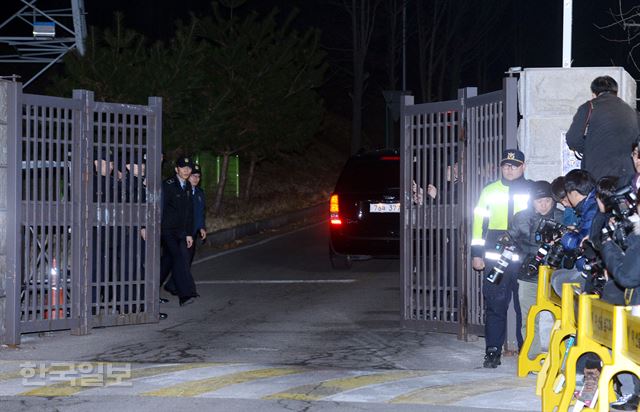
(624, 266)
(199, 206)
(523, 230)
(613, 127)
(135, 191)
(106, 188)
(177, 207)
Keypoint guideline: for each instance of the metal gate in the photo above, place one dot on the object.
(84, 212)
(455, 146)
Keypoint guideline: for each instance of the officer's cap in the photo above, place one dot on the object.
(184, 162)
(513, 157)
(195, 170)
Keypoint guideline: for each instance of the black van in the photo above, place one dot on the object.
(365, 208)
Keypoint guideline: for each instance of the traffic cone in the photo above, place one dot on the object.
(56, 293)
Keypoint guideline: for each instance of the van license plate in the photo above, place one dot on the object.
(384, 208)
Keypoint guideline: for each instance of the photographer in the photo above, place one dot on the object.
(524, 231)
(602, 131)
(560, 196)
(581, 194)
(623, 265)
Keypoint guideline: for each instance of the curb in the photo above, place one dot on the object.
(225, 236)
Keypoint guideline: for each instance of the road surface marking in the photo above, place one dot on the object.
(315, 392)
(199, 387)
(283, 281)
(76, 385)
(449, 394)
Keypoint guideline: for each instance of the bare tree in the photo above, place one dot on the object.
(393, 12)
(452, 36)
(363, 16)
(625, 29)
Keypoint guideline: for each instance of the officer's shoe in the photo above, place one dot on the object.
(163, 316)
(163, 300)
(187, 301)
(492, 358)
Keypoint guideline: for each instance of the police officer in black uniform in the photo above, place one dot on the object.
(199, 207)
(177, 224)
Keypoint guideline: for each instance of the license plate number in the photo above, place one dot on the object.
(384, 208)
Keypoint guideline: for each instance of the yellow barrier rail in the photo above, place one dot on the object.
(595, 329)
(611, 332)
(546, 300)
(625, 352)
(551, 377)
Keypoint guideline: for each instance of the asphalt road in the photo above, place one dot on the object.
(275, 328)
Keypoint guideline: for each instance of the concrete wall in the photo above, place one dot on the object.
(3, 201)
(548, 98)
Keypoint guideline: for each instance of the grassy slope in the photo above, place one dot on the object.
(289, 183)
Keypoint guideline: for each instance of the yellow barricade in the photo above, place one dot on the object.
(562, 330)
(594, 331)
(625, 352)
(546, 299)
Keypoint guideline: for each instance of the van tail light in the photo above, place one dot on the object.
(334, 210)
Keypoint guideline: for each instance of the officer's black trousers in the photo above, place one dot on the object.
(496, 301)
(192, 249)
(175, 260)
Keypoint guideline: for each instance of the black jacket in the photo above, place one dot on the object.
(523, 230)
(624, 266)
(177, 208)
(613, 127)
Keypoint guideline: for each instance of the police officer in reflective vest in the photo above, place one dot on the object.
(177, 224)
(498, 202)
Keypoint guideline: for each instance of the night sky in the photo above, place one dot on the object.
(529, 34)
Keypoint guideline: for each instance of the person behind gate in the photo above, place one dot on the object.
(177, 223)
(497, 204)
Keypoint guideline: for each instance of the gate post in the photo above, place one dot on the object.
(154, 186)
(82, 223)
(10, 189)
(510, 88)
(464, 233)
(405, 203)
(510, 110)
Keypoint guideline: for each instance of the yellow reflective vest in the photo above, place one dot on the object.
(493, 212)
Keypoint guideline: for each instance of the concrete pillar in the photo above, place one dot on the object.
(548, 98)
(3, 201)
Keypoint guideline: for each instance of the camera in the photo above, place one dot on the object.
(623, 208)
(549, 230)
(549, 253)
(506, 247)
(622, 203)
(593, 267)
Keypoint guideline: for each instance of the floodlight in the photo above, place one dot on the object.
(54, 33)
(44, 29)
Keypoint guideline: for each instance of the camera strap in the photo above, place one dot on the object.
(586, 128)
(628, 294)
(586, 124)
